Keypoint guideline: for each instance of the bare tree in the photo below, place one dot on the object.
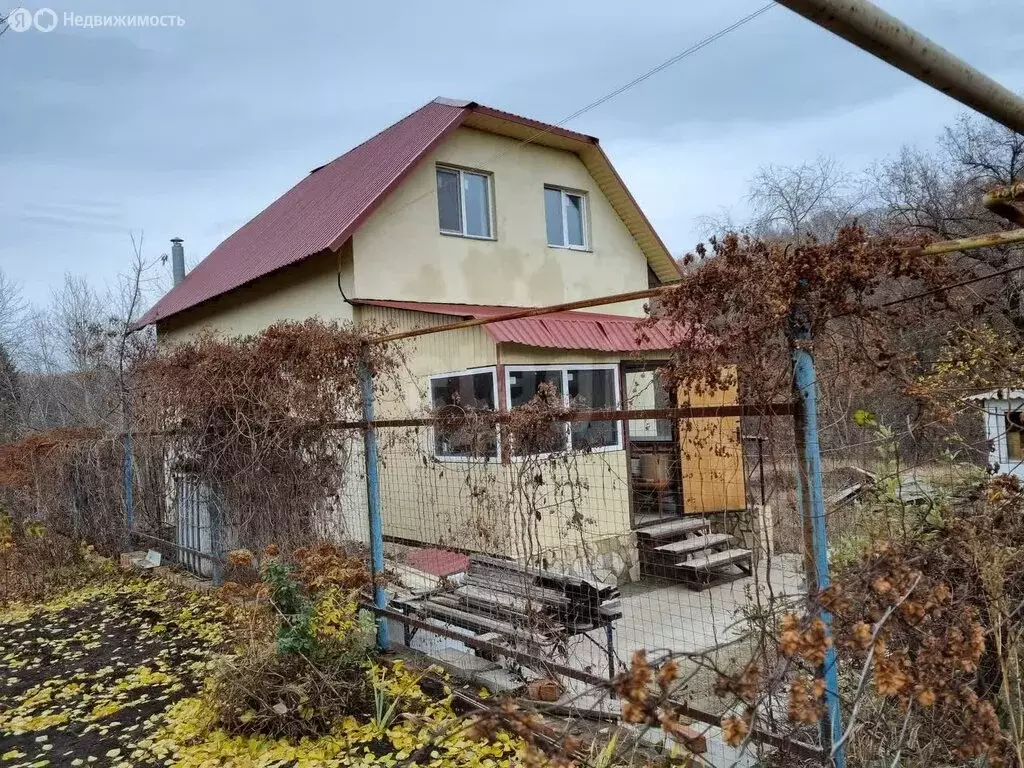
(815, 198)
(990, 153)
(939, 193)
(83, 346)
(12, 311)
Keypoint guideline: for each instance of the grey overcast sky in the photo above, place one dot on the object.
(192, 130)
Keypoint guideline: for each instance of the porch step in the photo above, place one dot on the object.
(706, 561)
(678, 527)
(646, 520)
(694, 544)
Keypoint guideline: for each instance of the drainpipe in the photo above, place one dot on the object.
(873, 30)
(177, 260)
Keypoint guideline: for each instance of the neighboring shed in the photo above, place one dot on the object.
(1004, 428)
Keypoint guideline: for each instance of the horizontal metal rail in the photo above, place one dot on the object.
(988, 240)
(503, 417)
(179, 547)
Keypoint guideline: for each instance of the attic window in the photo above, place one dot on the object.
(464, 202)
(565, 214)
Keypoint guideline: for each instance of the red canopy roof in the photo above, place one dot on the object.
(561, 330)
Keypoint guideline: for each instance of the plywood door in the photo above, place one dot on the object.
(711, 455)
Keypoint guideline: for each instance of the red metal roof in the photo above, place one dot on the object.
(562, 330)
(318, 212)
(323, 210)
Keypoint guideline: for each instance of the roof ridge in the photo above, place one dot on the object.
(378, 133)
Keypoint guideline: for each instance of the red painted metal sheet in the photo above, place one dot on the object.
(317, 213)
(592, 331)
(438, 562)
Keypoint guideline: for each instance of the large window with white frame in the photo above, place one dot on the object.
(565, 215)
(582, 387)
(464, 202)
(456, 398)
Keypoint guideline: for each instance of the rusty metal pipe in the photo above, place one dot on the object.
(517, 314)
(565, 414)
(987, 240)
(946, 246)
(873, 30)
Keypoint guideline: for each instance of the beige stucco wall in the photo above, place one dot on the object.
(405, 394)
(400, 253)
(307, 289)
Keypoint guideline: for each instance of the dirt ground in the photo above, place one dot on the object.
(85, 679)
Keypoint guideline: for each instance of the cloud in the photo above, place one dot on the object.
(191, 131)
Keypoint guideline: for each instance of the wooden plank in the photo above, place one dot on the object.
(611, 605)
(534, 592)
(510, 565)
(676, 527)
(494, 612)
(705, 562)
(476, 622)
(488, 598)
(694, 544)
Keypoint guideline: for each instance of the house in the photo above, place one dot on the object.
(463, 211)
(1004, 429)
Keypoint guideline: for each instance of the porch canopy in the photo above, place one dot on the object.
(564, 330)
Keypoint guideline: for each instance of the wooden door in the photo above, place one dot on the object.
(711, 454)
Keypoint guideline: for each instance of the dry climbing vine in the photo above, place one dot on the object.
(251, 418)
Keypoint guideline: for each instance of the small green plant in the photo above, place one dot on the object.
(294, 609)
(604, 757)
(385, 705)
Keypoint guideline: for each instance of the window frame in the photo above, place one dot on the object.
(619, 445)
(489, 178)
(432, 436)
(584, 214)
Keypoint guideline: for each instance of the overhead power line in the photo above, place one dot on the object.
(669, 62)
(699, 45)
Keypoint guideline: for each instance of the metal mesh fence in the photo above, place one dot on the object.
(543, 522)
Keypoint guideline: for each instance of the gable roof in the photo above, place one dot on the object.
(593, 331)
(326, 207)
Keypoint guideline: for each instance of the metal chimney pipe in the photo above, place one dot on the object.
(177, 260)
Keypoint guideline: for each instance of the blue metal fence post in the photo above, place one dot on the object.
(811, 501)
(380, 597)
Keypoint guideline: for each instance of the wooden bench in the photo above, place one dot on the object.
(530, 609)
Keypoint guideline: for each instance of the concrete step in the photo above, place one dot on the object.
(694, 543)
(678, 527)
(706, 561)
